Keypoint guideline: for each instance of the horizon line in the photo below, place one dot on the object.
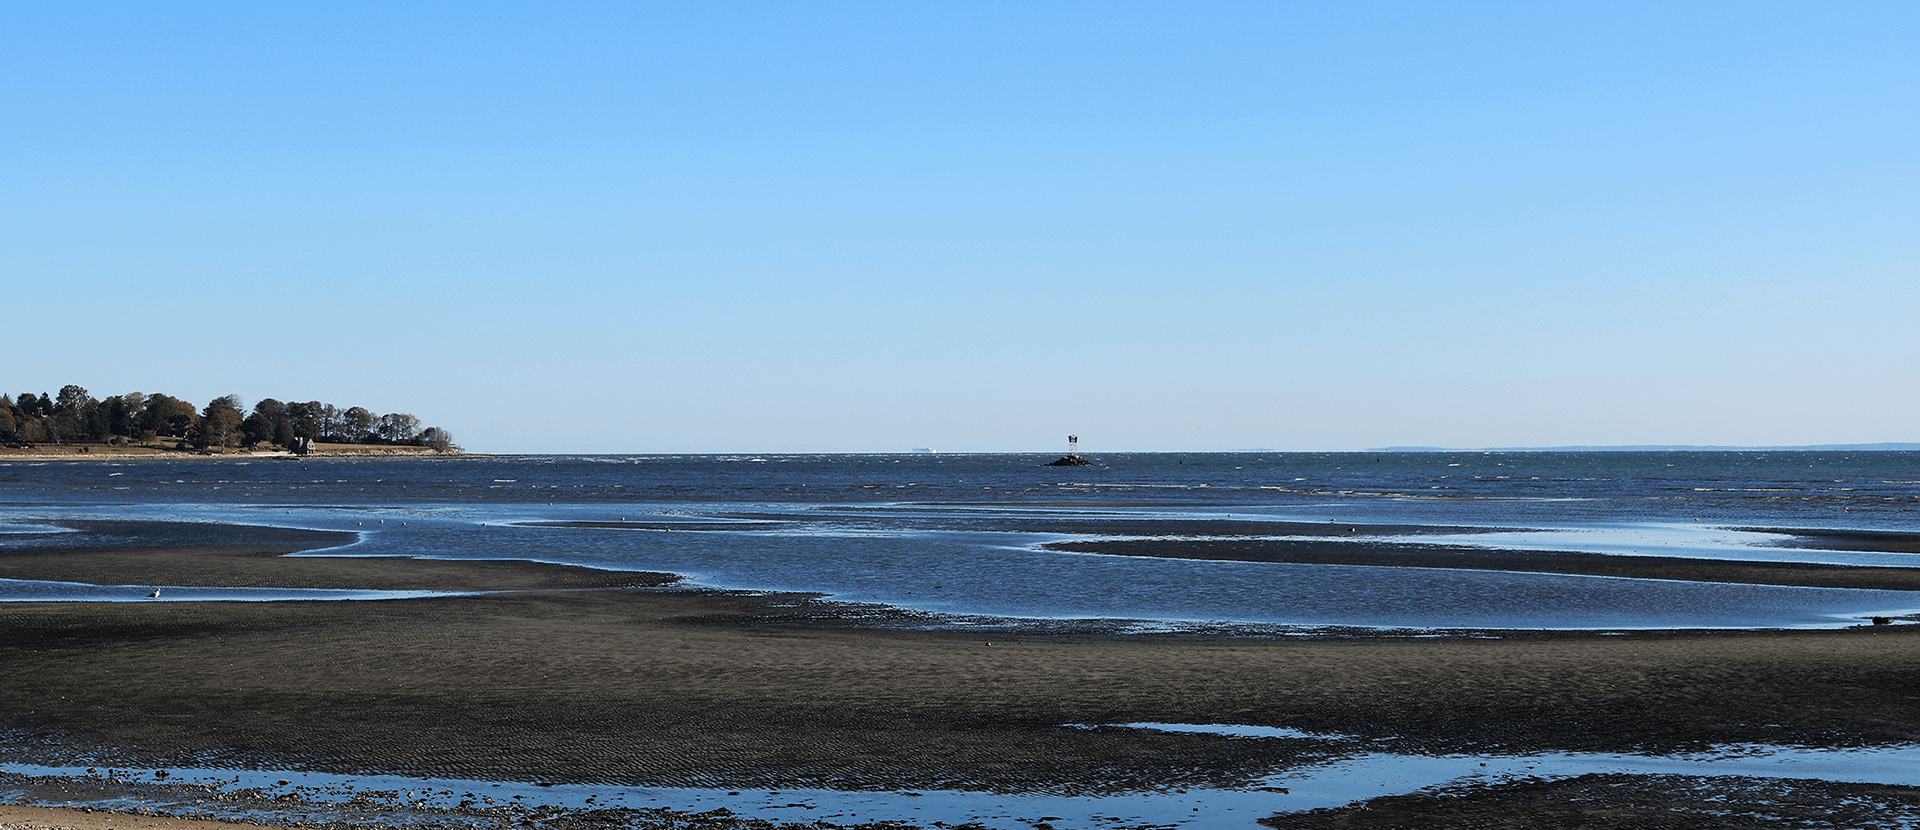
(1884, 446)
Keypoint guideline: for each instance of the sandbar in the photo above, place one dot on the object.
(1415, 555)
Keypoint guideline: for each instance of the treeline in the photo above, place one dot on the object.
(73, 416)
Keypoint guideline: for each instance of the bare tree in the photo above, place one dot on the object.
(325, 419)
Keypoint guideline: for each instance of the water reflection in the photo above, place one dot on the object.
(31, 590)
(1356, 778)
(965, 562)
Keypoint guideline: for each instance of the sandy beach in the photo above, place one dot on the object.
(569, 674)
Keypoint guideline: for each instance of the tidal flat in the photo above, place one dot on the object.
(571, 691)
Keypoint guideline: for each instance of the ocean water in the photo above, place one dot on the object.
(957, 537)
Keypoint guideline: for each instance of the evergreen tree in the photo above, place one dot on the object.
(356, 424)
(219, 423)
(167, 416)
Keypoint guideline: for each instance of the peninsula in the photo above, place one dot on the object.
(74, 422)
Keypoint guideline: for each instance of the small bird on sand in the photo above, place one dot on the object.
(156, 592)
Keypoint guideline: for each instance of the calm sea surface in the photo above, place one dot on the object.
(957, 536)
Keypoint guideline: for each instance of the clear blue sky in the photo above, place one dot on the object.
(715, 226)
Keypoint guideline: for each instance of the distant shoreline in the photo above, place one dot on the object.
(109, 452)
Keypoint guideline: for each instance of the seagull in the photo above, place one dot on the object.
(156, 593)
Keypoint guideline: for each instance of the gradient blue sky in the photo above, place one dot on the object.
(715, 226)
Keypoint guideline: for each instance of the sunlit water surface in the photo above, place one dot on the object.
(957, 535)
(1358, 777)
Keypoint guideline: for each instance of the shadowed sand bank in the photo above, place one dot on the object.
(657, 686)
(1398, 555)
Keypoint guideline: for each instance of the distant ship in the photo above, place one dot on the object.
(927, 450)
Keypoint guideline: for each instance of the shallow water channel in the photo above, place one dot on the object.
(1358, 777)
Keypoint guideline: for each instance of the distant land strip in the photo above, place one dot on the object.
(75, 419)
(1881, 447)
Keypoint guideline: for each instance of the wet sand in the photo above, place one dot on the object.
(574, 675)
(17, 817)
(1358, 545)
(1374, 554)
(1879, 541)
(228, 556)
(1665, 801)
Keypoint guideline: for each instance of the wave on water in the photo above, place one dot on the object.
(972, 539)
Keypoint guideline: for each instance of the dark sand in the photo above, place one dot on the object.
(1663, 801)
(1880, 541)
(228, 556)
(1333, 550)
(1345, 544)
(1079, 524)
(644, 685)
